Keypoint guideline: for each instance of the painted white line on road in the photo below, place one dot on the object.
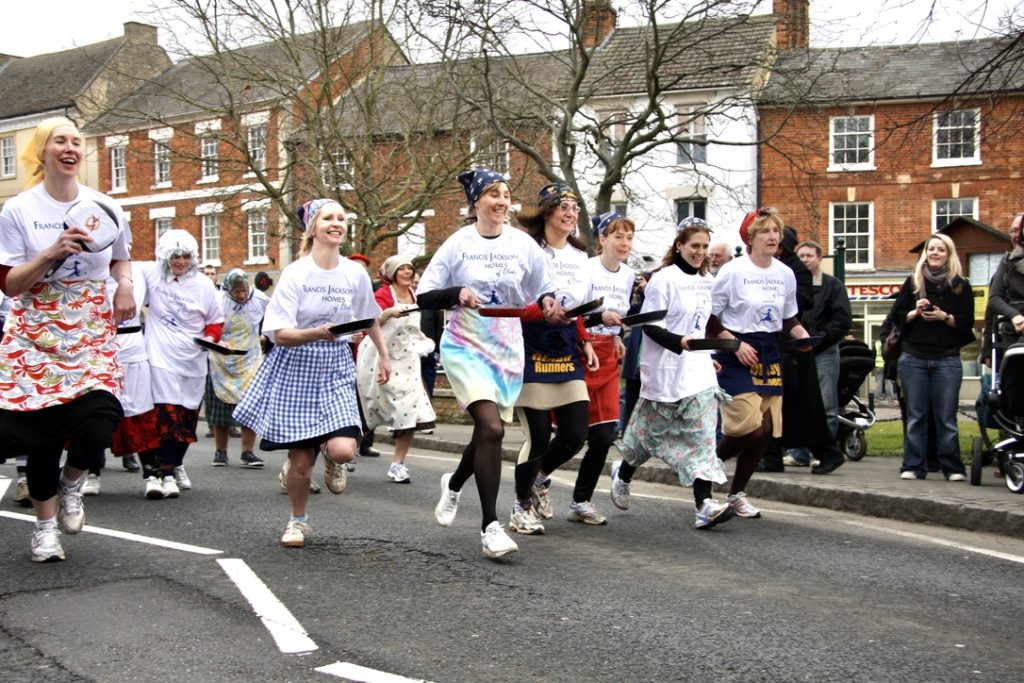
(354, 672)
(128, 536)
(288, 633)
(939, 541)
(5, 482)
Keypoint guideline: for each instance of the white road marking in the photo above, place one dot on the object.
(128, 536)
(4, 483)
(354, 672)
(286, 630)
(938, 541)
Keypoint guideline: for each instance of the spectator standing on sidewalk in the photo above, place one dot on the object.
(1006, 295)
(936, 310)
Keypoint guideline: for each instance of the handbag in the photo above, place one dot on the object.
(892, 345)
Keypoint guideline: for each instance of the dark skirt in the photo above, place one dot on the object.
(176, 423)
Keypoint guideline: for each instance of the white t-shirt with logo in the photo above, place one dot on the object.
(616, 288)
(569, 271)
(666, 376)
(749, 298)
(309, 296)
(179, 310)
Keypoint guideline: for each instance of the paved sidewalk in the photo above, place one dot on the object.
(868, 487)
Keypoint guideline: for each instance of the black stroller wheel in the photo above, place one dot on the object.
(855, 445)
(977, 460)
(1014, 475)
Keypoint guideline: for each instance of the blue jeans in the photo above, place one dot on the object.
(827, 365)
(931, 385)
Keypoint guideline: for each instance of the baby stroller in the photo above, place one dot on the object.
(856, 362)
(1002, 407)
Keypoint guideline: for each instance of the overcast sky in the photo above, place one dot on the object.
(39, 26)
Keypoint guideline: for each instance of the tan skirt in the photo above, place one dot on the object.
(548, 395)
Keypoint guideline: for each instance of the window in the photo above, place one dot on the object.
(981, 268)
(852, 143)
(621, 208)
(256, 137)
(8, 167)
(686, 208)
(956, 137)
(257, 234)
(208, 156)
(946, 210)
(161, 225)
(336, 170)
(853, 223)
(694, 127)
(612, 127)
(211, 238)
(161, 163)
(493, 155)
(118, 170)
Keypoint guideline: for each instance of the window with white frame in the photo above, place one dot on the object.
(852, 143)
(336, 170)
(161, 163)
(256, 138)
(492, 155)
(956, 137)
(693, 207)
(8, 165)
(211, 237)
(413, 242)
(853, 222)
(947, 210)
(695, 149)
(118, 169)
(161, 225)
(621, 208)
(257, 234)
(208, 156)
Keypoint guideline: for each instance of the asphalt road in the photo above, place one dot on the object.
(800, 595)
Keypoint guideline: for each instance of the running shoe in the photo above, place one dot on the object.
(283, 478)
(131, 463)
(335, 476)
(620, 489)
(220, 458)
(295, 534)
(711, 513)
(742, 506)
(525, 521)
(398, 473)
(72, 512)
(181, 478)
(46, 544)
(154, 491)
(497, 543)
(91, 487)
(250, 459)
(586, 513)
(446, 508)
(21, 494)
(170, 487)
(542, 505)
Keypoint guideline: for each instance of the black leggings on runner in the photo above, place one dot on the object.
(482, 459)
(545, 452)
(748, 450)
(599, 440)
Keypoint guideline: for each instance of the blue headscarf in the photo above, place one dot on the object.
(479, 179)
(693, 222)
(601, 223)
(307, 212)
(555, 193)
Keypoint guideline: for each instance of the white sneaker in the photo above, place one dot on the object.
(46, 545)
(154, 491)
(335, 476)
(586, 512)
(620, 489)
(711, 513)
(398, 473)
(446, 508)
(742, 506)
(295, 534)
(542, 505)
(525, 522)
(956, 476)
(91, 487)
(181, 478)
(170, 487)
(496, 543)
(909, 474)
(282, 477)
(21, 494)
(71, 516)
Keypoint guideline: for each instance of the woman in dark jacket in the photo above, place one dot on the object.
(1006, 294)
(936, 311)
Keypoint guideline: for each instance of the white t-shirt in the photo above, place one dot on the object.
(616, 288)
(253, 309)
(179, 310)
(665, 376)
(309, 296)
(748, 298)
(569, 270)
(131, 348)
(507, 270)
(33, 220)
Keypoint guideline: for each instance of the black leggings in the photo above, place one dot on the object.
(482, 459)
(599, 439)
(748, 450)
(545, 453)
(160, 462)
(702, 488)
(85, 425)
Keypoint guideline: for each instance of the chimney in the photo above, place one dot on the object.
(793, 23)
(138, 32)
(597, 22)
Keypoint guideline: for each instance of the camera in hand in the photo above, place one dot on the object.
(929, 308)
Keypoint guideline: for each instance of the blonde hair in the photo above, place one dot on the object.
(32, 156)
(763, 220)
(952, 264)
(306, 245)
